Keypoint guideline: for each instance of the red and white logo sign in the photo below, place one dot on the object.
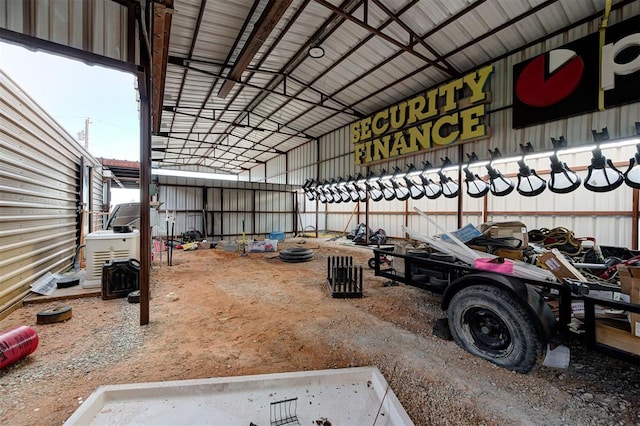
(567, 81)
(550, 78)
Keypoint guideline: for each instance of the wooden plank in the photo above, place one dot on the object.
(75, 292)
(617, 335)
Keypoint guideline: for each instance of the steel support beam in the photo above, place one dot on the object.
(161, 31)
(268, 20)
(146, 93)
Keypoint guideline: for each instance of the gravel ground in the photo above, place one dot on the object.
(259, 315)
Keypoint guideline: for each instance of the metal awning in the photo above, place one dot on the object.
(123, 174)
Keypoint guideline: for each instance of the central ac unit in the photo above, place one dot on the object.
(106, 245)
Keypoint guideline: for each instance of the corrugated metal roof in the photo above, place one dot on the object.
(94, 26)
(377, 52)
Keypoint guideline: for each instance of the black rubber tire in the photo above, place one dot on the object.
(491, 323)
(53, 315)
(67, 282)
(297, 260)
(372, 263)
(134, 297)
(296, 251)
(296, 255)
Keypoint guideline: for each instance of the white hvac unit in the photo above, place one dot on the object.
(103, 246)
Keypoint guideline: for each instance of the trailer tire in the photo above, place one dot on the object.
(491, 323)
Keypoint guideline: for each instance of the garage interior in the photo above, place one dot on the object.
(280, 100)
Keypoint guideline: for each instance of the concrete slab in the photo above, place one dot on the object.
(350, 396)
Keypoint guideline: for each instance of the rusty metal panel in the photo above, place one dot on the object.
(39, 193)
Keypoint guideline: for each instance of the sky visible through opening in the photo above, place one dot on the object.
(71, 91)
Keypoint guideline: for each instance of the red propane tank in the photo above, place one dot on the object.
(17, 343)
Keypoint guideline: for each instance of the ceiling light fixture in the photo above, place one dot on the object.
(399, 185)
(351, 189)
(325, 187)
(373, 187)
(529, 183)
(333, 187)
(416, 190)
(601, 178)
(632, 175)
(563, 179)
(431, 189)
(341, 187)
(498, 184)
(320, 195)
(449, 186)
(388, 192)
(315, 52)
(308, 190)
(476, 187)
(601, 136)
(360, 183)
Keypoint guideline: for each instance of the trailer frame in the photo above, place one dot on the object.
(556, 331)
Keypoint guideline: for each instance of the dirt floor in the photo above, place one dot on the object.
(249, 315)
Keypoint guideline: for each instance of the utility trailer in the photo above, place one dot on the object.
(508, 320)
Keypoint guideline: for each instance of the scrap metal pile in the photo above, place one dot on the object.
(542, 254)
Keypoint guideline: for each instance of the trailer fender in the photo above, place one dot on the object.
(539, 311)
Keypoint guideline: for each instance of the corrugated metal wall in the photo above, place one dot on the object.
(236, 205)
(303, 165)
(96, 26)
(185, 204)
(97, 199)
(264, 207)
(606, 216)
(40, 178)
(259, 173)
(277, 170)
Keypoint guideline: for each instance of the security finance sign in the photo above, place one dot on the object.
(449, 114)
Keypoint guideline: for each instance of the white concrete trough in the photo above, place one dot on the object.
(350, 396)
